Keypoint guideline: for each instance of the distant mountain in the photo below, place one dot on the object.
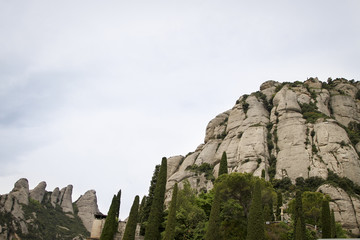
(39, 214)
(286, 130)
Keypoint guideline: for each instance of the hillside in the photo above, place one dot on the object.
(39, 214)
(286, 130)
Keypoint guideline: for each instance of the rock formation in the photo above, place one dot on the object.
(292, 130)
(38, 192)
(15, 220)
(87, 206)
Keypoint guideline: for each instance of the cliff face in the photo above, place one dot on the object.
(301, 129)
(24, 212)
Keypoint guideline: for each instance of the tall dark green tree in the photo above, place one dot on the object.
(130, 228)
(279, 203)
(299, 221)
(141, 209)
(333, 224)
(325, 219)
(255, 227)
(213, 232)
(118, 201)
(148, 202)
(171, 221)
(155, 217)
(223, 169)
(111, 222)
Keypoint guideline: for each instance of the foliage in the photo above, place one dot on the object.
(130, 228)
(311, 207)
(299, 221)
(212, 232)
(111, 222)
(325, 219)
(283, 184)
(310, 112)
(277, 231)
(261, 96)
(144, 214)
(50, 222)
(190, 217)
(205, 168)
(349, 186)
(141, 208)
(353, 131)
(255, 226)
(272, 167)
(333, 224)
(357, 96)
(171, 221)
(155, 216)
(223, 169)
(279, 203)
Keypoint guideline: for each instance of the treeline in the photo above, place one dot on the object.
(240, 206)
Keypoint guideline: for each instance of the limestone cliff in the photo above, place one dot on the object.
(23, 212)
(300, 129)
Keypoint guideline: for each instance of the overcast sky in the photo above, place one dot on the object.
(95, 93)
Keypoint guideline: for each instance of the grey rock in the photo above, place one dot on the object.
(54, 199)
(38, 192)
(87, 206)
(66, 199)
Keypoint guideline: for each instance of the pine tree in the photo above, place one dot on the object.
(148, 201)
(333, 225)
(213, 232)
(299, 221)
(171, 221)
(111, 222)
(325, 219)
(255, 227)
(155, 218)
(130, 228)
(223, 169)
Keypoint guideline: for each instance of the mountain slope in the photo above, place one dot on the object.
(38, 214)
(301, 129)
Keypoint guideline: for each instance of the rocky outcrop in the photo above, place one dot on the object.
(289, 130)
(38, 192)
(65, 199)
(87, 207)
(346, 208)
(15, 220)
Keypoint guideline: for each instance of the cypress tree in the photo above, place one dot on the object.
(299, 221)
(141, 209)
(130, 228)
(148, 200)
(155, 217)
(278, 206)
(333, 225)
(171, 222)
(213, 230)
(255, 226)
(118, 200)
(325, 219)
(223, 169)
(111, 222)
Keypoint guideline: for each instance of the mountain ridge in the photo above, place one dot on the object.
(24, 212)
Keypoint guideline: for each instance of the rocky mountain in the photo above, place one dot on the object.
(39, 214)
(285, 130)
